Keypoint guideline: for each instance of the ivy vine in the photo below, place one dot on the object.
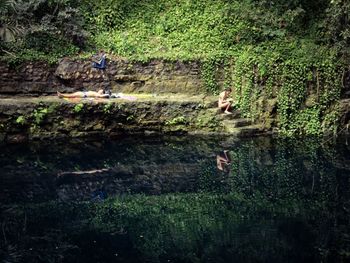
(306, 90)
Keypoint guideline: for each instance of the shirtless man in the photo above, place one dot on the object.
(223, 160)
(224, 101)
(84, 94)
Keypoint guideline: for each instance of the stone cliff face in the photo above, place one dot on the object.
(51, 117)
(169, 101)
(124, 76)
(39, 78)
(31, 79)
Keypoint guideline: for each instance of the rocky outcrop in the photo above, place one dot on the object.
(125, 76)
(40, 78)
(50, 117)
(24, 119)
(30, 79)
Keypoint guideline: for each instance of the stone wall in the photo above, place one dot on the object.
(50, 117)
(40, 78)
(31, 79)
(157, 77)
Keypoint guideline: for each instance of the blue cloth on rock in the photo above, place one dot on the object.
(101, 64)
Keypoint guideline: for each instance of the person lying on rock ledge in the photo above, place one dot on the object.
(87, 94)
(225, 103)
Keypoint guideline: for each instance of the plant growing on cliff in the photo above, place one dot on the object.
(130, 117)
(39, 115)
(78, 107)
(107, 108)
(209, 69)
(331, 120)
(21, 120)
(177, 121)
(337, 26)
(290, 76)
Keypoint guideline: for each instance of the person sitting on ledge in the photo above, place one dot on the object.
(84, 94)
(225, 103)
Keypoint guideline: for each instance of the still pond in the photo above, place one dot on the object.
(176, 199)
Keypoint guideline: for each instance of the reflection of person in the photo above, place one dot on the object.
(223, 160)
(84, 94)
(224, 101)
(96, 171)
(99, 61)
(99, 195)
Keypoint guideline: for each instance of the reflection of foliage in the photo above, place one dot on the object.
(280, 173)
(179, 226)
(210, 180)
(14, 249)
(275, 191)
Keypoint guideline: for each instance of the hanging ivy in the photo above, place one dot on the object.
(262, 75)
(208, 72)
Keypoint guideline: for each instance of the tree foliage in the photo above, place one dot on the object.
(171, 29)
(41, 25)
(337, 25)
(9, 27)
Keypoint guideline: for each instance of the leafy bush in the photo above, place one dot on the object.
(196, 29)
(278, 49)
(180, 29)
(337, 25)
(49, 26)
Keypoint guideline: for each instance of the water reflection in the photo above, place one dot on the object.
(223, 161)
(167, 200)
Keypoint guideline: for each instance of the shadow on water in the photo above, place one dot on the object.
(187, 199)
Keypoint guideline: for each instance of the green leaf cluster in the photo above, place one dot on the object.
(39, 115)
(45, 29)
(78, 107)
(305, 86)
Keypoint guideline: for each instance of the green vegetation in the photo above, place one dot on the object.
(176, 121)
(289, 76)
(131, 117)
(107, 108)
(180, 29)
(39, 115)
(279, 196)
(78, 107)
(263, 48)
(20, 120)
(40, 30)
(202, 29)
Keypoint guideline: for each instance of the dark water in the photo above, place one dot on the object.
(186, 199)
